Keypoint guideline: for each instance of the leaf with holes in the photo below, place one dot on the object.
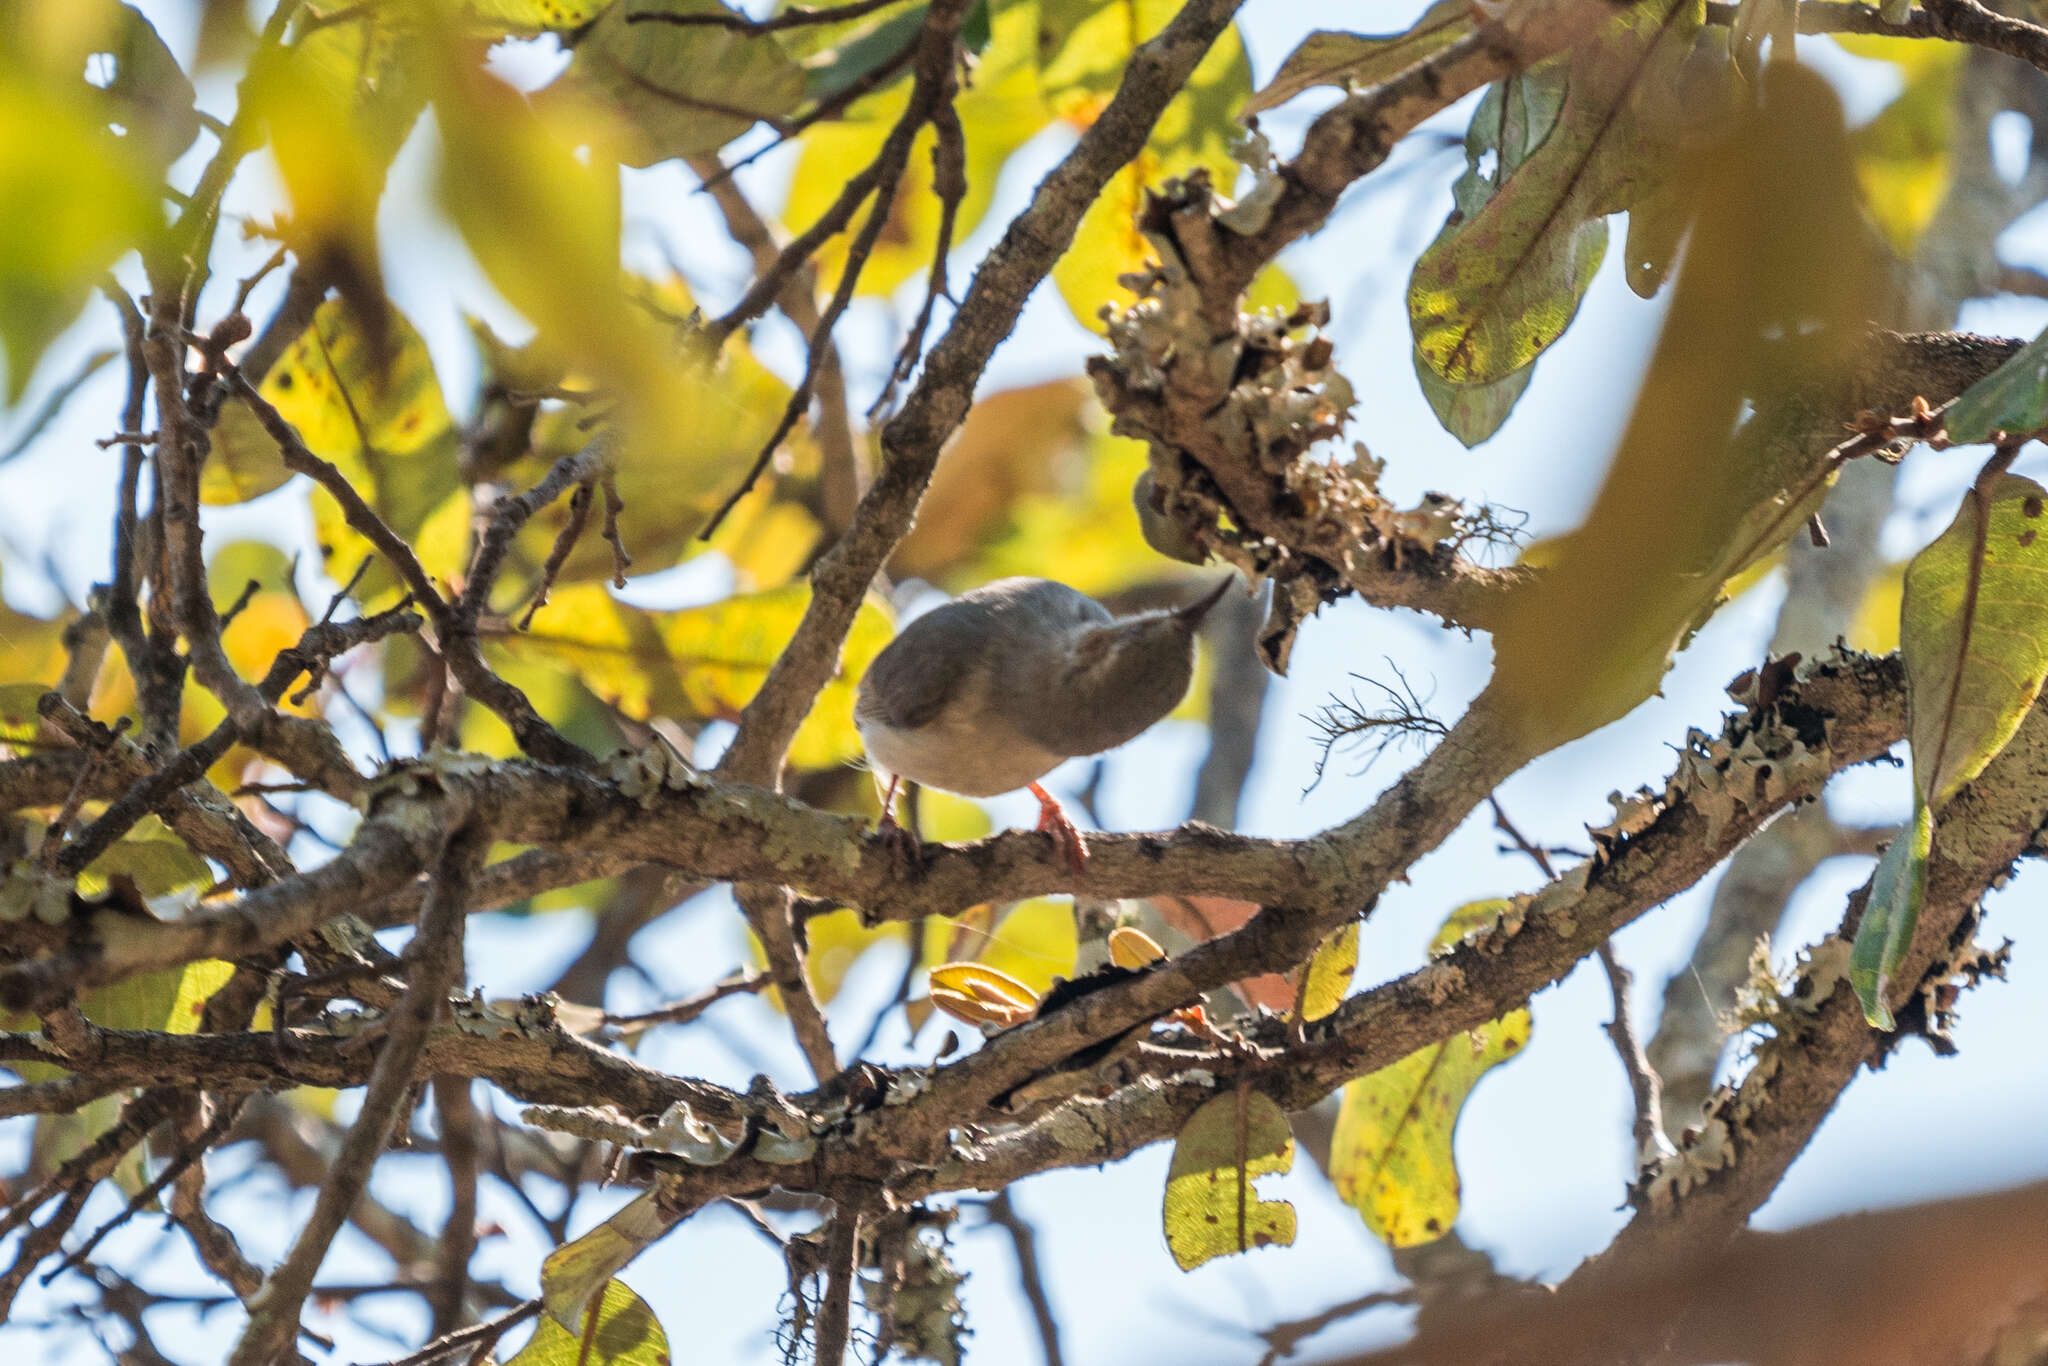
(1512, 120)
(1353, 61)
(1211, 1208)
(1973, 630)
(1391, 1156)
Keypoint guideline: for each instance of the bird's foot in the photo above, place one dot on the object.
(1066, 836)
(901, 842)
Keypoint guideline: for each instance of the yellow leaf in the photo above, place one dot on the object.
(1903, 155)
(1211, 1208)
(1130, 947)
(982, 982)
(1391, 1155)
(723, 652)
(624, 1332)
(1034, 944)
(1196, 129)
(1875, 627)
(1329, 973)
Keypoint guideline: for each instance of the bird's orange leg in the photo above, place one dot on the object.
(1066, 836)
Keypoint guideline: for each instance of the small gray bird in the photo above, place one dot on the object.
(992, 691)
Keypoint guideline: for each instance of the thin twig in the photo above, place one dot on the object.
(1642, 1080)
(558, 554)
(223, 1119)
(457, 1111)
(949, 183)
(795, 17)
(481, 1334)
(1002, 1212)
(684, 1011)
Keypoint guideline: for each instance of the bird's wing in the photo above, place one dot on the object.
(918, 673)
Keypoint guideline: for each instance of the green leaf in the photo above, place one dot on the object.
(1329, 973)
(1391, 1155)
(1498, 288)
(72, 201)
(1211, 1207)
(679, 90)
(2013, 398)
(1897, 889)
(623, 1333)
(1084, 51)
(843, 59)
(579, 1269)
(1512, 121)
(1472, 412)
(1973, 629)
(1354, 61)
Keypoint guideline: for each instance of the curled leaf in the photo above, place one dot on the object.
(1897, 889)
(1130, 947)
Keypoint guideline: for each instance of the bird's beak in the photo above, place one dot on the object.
(1192, 614)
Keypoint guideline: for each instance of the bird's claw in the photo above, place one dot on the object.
(905, 846)
(1066, 836)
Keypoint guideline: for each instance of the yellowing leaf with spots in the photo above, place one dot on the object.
(1974, 634)
(1211, 1207)
(1085, 48)
(1329, 973)
(1391, 1154)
